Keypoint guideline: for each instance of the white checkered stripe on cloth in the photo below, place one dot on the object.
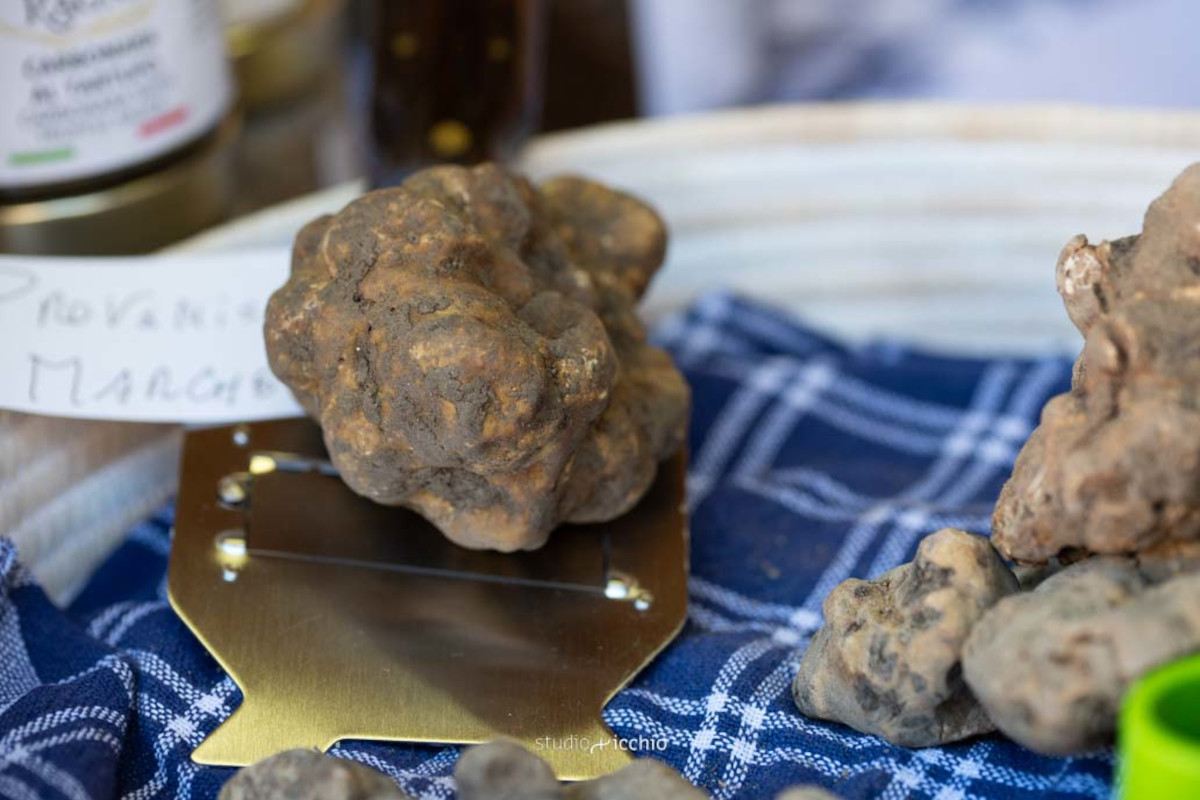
(811, 463)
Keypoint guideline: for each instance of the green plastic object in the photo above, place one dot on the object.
(1159, 737)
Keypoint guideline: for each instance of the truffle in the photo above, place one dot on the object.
(1051, 665)
(309, 775)
(469, 345)
(1114, 466)
(507, 771)
(503, 770)
(887, 660)
(644, 778)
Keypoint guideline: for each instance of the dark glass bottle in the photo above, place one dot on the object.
(452, 81)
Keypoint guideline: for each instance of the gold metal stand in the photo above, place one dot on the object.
(342, 619)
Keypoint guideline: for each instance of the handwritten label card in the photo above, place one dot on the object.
(172, 338)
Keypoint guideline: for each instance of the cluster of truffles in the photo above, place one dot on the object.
(1101, 515)
(469, 345)
(494, 771)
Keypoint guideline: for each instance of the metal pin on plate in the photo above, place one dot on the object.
(342, 619)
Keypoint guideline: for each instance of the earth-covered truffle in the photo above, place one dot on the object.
(644, 778)
(309, 775)
(887, 660)
(503, 770)
(469, 345)
(1115, 465)
(1051, 665)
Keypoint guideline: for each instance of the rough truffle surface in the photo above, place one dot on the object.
(1051, 665)
(1115, 465)
(309, 775)
(887, 660)
(469, 345)
(504, 770)
(644, 778)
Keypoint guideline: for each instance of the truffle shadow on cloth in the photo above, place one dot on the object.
(469, 345)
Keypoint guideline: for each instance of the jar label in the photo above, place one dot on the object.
(92, 87)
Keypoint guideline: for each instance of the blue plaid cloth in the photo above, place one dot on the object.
(812, 462)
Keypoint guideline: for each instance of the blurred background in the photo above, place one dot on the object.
(241, 104)
(711, 53)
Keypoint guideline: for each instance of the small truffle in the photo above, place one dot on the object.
(503, 770)
(887, 660)
(507, 771)
(643, 779)
(1051, 665)
(1114, 466)
(309, 775)
(469, 346)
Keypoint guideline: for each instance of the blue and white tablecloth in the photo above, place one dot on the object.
(812, 462)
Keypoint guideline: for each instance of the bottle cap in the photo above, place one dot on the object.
(1159, 737)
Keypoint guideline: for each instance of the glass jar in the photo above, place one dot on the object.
(114, 120)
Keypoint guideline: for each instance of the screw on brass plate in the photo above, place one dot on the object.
(233, 490)
(624, 587)
(262, 463)
(241, 435)
(232, 544)
(231, 552)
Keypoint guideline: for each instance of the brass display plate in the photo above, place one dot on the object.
(340, 619)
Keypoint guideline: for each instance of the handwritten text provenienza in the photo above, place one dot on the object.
(158, 338)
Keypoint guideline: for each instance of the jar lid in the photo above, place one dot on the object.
(1159, 738)
(137, 216)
